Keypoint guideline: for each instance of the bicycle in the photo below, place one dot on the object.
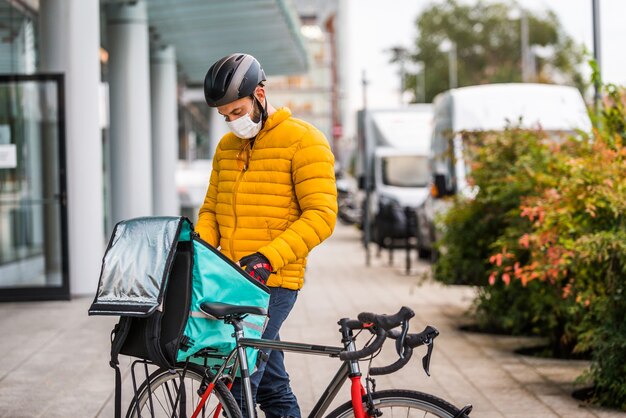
(165, 393)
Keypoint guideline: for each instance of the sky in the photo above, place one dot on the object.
(372, 29)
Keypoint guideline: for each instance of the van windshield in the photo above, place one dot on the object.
(405, 171)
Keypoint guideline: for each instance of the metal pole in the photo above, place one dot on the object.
(400, 55)
(402, 71)
(424, 84)
(524, 46)
(366, 174)
(453, 66)
(409, 233)
(597, 56)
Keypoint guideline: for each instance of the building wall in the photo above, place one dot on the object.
(308, 96)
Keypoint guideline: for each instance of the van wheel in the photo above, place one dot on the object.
(423, 254)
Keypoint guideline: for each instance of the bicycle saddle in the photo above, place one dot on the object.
(221, 310)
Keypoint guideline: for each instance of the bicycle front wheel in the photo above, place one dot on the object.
(163, 395)
(402, 403)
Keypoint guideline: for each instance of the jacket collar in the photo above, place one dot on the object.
(276, 118)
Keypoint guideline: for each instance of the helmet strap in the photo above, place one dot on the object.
(264, 114)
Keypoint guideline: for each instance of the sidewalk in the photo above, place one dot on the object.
(54, 358)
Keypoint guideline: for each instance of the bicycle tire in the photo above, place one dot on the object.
(164, 386)
(411, 403)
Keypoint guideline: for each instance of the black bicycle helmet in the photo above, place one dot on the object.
(231, 78)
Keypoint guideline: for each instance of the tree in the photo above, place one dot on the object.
(488, 47)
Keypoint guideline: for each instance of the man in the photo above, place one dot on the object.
(272, 197)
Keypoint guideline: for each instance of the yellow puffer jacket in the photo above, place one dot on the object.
(282, 204)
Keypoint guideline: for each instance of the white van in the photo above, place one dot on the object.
(396, 157)
(489, 107)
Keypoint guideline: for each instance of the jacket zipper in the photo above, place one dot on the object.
(235, 189)
(232, 236)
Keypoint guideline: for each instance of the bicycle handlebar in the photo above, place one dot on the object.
(394, 367)
(411, 341)
(425, 337)
(387, 322)
(417, 339)
(384, 326)
(380, 325)
(367, 350)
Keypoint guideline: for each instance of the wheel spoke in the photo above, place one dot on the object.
(171, 398)
(164, 399)
(403, 404)
(167, 410)
(193, 395)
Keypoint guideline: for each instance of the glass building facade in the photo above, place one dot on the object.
(32, 195)
(89, 129)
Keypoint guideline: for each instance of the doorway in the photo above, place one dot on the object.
(33, 203)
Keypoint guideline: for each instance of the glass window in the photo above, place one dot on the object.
(405, 171)
(18, 39)
(32, 202)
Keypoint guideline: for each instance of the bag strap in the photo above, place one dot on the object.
(153, 341)
(118, 336)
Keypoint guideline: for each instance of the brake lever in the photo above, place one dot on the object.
(426, 359)
(401, 338)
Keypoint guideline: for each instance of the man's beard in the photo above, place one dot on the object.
(256, 110)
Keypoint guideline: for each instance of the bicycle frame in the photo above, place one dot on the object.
(347, 370)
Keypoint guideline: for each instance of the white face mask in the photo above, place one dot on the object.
(244, 127)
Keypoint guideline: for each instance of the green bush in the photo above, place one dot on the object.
(465, 247)
(575, 242)
(545, 239)
(501, 163)
(508, 308)
(507, 167)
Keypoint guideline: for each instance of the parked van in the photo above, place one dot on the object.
(491, 107)
(396, 156)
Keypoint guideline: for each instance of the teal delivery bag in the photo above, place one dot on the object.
(217, 279)
(155, 274)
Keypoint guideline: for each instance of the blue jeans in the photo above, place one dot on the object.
(270, 382)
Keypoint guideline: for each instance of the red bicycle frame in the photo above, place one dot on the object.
(357, 391)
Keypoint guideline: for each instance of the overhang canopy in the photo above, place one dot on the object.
(203, 31)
